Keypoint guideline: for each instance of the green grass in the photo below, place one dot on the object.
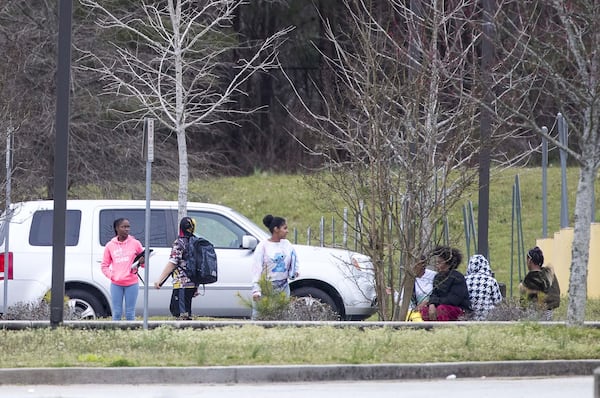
(255, 345)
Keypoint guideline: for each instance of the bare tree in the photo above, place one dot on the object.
(26, 88)
(28, 32)
(174, 67)
(552, 64)
(399, 129)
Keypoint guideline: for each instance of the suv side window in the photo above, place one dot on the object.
(219, 230)
(162, 224)
(42, 223)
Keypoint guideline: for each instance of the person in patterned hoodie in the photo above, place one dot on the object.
(183, 287)
(484, 290)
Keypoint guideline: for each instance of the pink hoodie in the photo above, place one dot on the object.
(117, 259)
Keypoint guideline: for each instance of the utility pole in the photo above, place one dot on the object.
(61, 147)
(487, 59)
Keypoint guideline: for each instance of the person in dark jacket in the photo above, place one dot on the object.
(540, 287)
(449, 298)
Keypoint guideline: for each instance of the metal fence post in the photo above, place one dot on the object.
(322, 231)
(345, 229)
(563, 138)
(544, 184)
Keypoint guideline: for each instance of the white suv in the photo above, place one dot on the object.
(337, 277)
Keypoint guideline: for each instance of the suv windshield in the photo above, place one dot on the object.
(263, 234)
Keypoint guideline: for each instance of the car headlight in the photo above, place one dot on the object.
(361, 262)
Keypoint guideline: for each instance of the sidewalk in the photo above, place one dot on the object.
(296, 373)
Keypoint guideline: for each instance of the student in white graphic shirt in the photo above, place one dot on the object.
(275, 258)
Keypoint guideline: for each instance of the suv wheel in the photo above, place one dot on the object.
(83, 305)
(313, 293)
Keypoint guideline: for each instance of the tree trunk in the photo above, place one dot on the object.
(581, 240)
(180, 119)
(182, 193)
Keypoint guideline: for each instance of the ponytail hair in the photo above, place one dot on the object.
(271, 222)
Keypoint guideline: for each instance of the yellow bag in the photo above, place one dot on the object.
(414, 316)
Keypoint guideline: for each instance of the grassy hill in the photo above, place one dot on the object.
(291, 196)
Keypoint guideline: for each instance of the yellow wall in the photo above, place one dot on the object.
(557, 252)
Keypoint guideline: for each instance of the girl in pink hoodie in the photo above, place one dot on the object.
(119, 254)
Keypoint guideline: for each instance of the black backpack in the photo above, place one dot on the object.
(201, 261)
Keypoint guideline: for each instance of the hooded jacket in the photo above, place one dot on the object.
(484, 290)
(117, 259)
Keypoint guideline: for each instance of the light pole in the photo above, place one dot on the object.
(63, 76)
(487, 59)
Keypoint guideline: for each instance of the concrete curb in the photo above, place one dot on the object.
(204, 324)
(296, 373)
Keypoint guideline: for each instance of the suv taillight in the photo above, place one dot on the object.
(10, 266)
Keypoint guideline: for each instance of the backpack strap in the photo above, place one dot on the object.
(185, 244)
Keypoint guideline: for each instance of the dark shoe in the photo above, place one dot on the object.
(183, 317)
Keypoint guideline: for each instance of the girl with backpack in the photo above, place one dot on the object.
(184, 288)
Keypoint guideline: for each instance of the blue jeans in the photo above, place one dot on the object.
(118, 293)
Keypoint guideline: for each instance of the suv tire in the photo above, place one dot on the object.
(84, 305)
(313, 292)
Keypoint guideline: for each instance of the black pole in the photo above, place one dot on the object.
(487, 51)
(60, 161)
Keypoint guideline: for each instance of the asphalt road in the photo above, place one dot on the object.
(555, 387)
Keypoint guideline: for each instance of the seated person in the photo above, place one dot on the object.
(449, 298)
(422, 289)
(540, 287)
(484, 290)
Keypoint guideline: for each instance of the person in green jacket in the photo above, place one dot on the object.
(540, 287)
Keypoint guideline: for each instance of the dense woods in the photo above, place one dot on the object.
(105, 142)
(105, 138)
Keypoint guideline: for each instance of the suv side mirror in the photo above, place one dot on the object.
(249, 242)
